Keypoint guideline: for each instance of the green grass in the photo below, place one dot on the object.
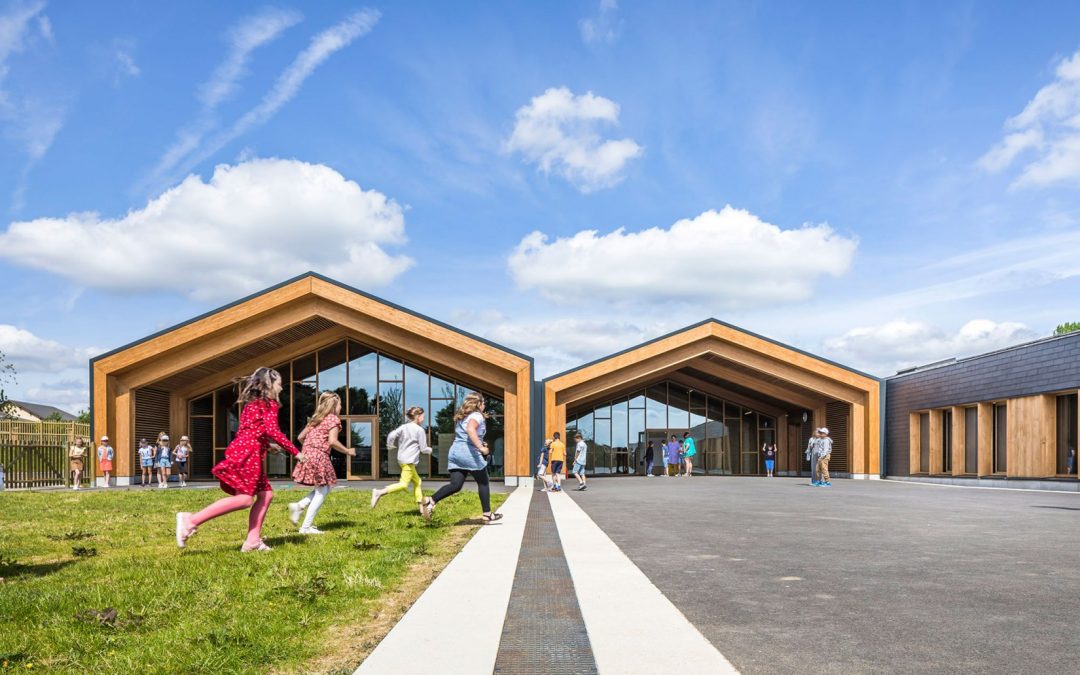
(69, 558)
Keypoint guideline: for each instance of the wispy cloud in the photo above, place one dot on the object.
(26, 121)
(1046, 131)
(602, 27)
(244, 38)
(124, 61)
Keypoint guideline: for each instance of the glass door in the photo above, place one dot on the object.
(362, 436)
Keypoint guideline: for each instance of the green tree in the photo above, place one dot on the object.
(7, 375)
(54, 417)
(83, 417)
(1067, 327)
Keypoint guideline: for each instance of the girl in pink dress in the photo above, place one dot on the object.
(318, 437)
(240, 472)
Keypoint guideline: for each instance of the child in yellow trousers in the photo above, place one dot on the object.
(410, 439)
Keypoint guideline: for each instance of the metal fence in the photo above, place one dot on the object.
(35, 454)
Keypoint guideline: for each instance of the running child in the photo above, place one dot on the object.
(468, 456)
(180, 456)
(146, 462)
(541, 466)
(240, 472)
(164, 466)
(557, 456)
(580, 451)
(410, 439)
(318, 437)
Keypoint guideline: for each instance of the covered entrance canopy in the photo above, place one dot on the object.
(731, 389)
(322, 335)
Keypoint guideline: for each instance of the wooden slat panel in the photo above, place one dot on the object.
(914, 442)
(935, 442)
(837, 419)
(152, 416)
(986, 439)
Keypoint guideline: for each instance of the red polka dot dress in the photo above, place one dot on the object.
(240, 472)
(316, 469)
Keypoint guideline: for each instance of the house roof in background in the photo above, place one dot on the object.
(41, 411)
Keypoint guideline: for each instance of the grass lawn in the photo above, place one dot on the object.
(93, 581)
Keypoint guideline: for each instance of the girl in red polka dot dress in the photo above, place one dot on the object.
(240, 473)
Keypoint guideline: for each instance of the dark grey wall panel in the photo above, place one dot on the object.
(1035, 368)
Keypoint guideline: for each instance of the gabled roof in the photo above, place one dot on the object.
(41, 411)
(287, 282)
(706, 322)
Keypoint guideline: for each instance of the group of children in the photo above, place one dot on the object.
(159, 459)
(241, 477)
(553, 456)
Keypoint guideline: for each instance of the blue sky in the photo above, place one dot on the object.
(882, 184)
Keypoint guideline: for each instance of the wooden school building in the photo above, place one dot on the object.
(1010, 414)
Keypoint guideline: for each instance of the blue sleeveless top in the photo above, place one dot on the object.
(463, 454)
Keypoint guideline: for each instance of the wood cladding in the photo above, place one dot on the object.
(837, 419)
(152, 416)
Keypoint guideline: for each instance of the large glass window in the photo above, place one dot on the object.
(442, 433)
(619, 440)
(678, 410)
(363, 380)
(656, 407)
(391, 416)
(333, 372)
(600, 455)
(228, 416)
(636, 440)
(716, 439)
(971, 440)
(1066, 434)
(1001, 438)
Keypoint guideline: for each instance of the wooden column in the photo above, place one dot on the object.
(959, 435)
(986, 439)
(936, 465)
(178, 418)
(914, 443)
(122, 431)
(860, 462)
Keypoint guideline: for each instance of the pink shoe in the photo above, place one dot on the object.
(183, 530)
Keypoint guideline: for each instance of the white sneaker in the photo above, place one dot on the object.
(294, 512)
(311, 530)
(376, 495)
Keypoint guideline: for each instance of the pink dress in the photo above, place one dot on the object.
(316, 468)
(240, 472)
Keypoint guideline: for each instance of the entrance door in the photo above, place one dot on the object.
(362, 435)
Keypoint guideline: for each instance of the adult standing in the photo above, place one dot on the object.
(824, 451)
(468, 456)
(105, 456)
(689, 450)
(671, 451)
(76, 459)
(649, 455)
(769, 450)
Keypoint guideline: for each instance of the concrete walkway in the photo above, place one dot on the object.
(468, 622)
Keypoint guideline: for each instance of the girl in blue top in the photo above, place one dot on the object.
(164, 465)
(689, 450)
(468, 456)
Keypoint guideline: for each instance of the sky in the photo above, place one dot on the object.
(883, 184)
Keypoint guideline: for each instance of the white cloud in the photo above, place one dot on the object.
(244, 38)
(32, 354)
(15, 31)
(1047, 131)
(602, 26)
(251, 225)
(899, 344)
(70, 395)
(730, 258)
(559, 131)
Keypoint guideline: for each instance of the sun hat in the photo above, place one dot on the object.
(824, 430)
(184, 438)
(104, 438)
(164, 437)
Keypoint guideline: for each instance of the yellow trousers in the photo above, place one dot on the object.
(823, 469)
(408, 475)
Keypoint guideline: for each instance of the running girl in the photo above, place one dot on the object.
(180, 456)
(318, 437)
(164, 465)
(146, 462)
(240, 472)
(410, 439)
(468, 456)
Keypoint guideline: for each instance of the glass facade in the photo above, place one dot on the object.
(728, 436)
(375, 389)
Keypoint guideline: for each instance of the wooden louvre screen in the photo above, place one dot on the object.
(837, 419)
(151, 418)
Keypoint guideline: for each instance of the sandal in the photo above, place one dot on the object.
(427, 508)
(183, 531)
(492, 517)
(261, 546)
